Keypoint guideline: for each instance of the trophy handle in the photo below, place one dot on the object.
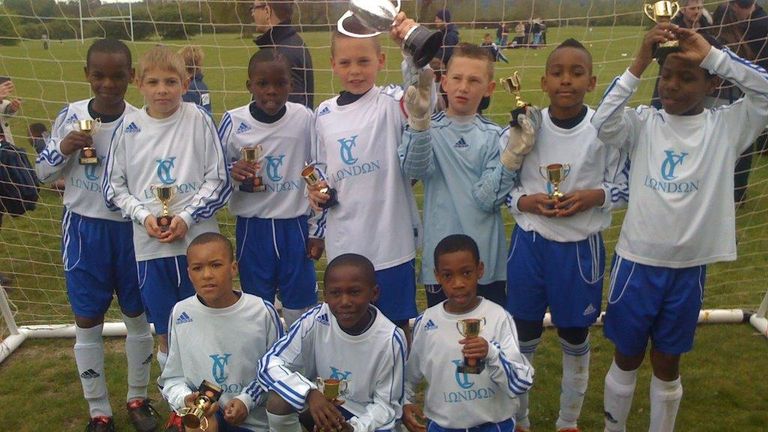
(397, 8)
(340, 26)
(320, 384)
(343, 386)
(543, 173)
(458, 327)
(677, 9)
(566, 171)
(649, 7)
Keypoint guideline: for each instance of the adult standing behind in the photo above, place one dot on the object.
(449, 32)
(273, 20)
(519, 33)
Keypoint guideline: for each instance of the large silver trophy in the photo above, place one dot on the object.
(378, 17)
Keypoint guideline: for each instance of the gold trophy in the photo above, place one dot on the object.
(252, 155)
(310, 175)
(555, 173)
(512, 85)
(164, 194)
(662, 12)
(208, 394)
(88, 154)
(470, 328)
(332, 388)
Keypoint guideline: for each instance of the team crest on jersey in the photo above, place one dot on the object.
(220, 362)
(461, 143)
(242, 128)
(324, 111)
(462, 379)
(340, 374)
(92, 171)
(273, 167)
(430, 325)
(164, 167)
(323, 319)
(671, 163)
(345, 149)
(132, 128)
(183, 318)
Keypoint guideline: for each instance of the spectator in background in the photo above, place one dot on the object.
(449, 32)
(8, 107)
(536, 30)
(273, 20)
(742, 25)
(519, 34)
(38, 137)
(504, 34)
(197, 92)
(493, 50)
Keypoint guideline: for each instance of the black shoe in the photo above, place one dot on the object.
(142, 415)
(100, 424)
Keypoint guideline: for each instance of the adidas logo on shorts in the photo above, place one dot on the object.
(430, 325)
(132, 128)
(183, 319)
(323, 319)
(148, 360)
(589, 310)
(242, 128)
(90, 374)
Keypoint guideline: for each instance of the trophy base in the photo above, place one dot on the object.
(422, 44)
(89, 160)
(661, 51)
(333, 199)
(164, 222)
(254, 185)
(472, 370)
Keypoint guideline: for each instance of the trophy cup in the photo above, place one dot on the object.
(661, 12)
(555, 173)
(164, 194)
(309, 173)
(332, 388)
(512, 85)
(252, 155)
(378, 17)
(208, 394)
(470, 328)
(88, 154)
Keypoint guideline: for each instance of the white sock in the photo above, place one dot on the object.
(665, 401)
(138, 351)
(161, 359)
(292, 315)
(528, 349)
(89, 356)
(617, 397)
(283, 423)
(574, 382)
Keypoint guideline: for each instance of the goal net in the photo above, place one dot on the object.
(45, 41)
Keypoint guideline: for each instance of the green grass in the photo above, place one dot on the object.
(39, 387)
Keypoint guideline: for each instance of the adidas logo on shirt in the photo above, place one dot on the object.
(461, 143)
(72, 118)
(132, 128)
(89, 374)
(324, 111)
(323, 319)
(430, 325)
(589, 310)
(148, 360)
(183, 319)
(242, 128)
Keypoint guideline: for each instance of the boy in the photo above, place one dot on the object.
(97, 249)
(358, 134)
(197, 92)
(493, 50)
(681, 215)
(556, 256)
(273, 248)
(454, 400)
(218, 335)
(456, 155)
(172, 144)
(345, 338)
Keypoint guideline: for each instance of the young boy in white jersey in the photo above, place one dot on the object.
(170, 144)
(218, 335)
(274, 250)
(97, 246)
(457, 400)
(358, 133)
(456, 154)
(337, 340)
(681, 212)
(556, 255)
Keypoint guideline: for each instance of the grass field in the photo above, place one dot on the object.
(38, 384)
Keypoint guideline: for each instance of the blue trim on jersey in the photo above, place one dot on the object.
(401, 351)
(106, 187)
(226, 122)
(224, 191)
(747, 63)
(516, 384)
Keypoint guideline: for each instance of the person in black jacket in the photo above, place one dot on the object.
(449, 32)
(273, 20)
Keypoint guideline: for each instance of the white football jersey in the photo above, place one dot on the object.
(681, 212)
(356, 148)
(82, 194)
(182, 151)
(222, 346)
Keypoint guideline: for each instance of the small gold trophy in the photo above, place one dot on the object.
(252, 155)
(310, 175)
(208, 394)
(332, 388)
(164, 194)
(512, 85)
(555, 173)
(662, 12)
(88, 154)
(470, 328)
